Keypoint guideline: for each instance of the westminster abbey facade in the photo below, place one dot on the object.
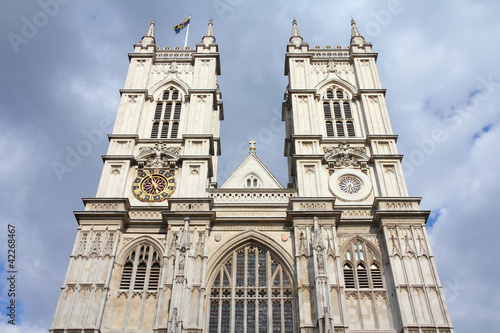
(163, 248)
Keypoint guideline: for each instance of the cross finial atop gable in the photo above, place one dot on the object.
(252, 145)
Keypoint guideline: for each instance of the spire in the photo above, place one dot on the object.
(354, 29)
(295, 38)
(209, 35)
(356, 37)
(149, 37)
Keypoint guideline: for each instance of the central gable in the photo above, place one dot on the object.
(252, 174)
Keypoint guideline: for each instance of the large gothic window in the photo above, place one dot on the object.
(251, 292)
(361, 267)
(141, 270)
(167, 115)
(338, 101)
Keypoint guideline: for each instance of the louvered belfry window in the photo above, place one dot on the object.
(251, 292)
(167, 115)
(337, 110)
(361, 267)
(141, 270)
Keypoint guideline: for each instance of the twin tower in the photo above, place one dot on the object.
(163, 248)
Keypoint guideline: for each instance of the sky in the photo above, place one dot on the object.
(63, 62)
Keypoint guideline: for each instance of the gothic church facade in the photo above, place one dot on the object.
(163, 248)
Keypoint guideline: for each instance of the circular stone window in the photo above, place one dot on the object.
(350, 185)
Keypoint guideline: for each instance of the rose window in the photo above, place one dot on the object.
(350, 184)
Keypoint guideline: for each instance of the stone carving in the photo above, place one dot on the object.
(104, 206)
(217, 237)
(108, 248)
(325, 323)
(224, 197)
(352, 214)
(330, 54)
(82, 246)
(394, 241)
(115, 169)
(312, 206)
(144, 214)
(407, 240)
(173, 323)
(194, 169)
(309, 169)
(182, 263)
(159, 156)
(421, 242)
(95, 246)
(345, 156)
(303, 244)
(330, 250)
(173, 243)
(184, 238)
(200, 245)
(373, 99)
(318, 241)
(399, 206)
(132, 99)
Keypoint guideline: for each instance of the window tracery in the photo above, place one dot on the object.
(167, 115)
(338, 100)
(251, 292)
(141, 270)
(361, 267)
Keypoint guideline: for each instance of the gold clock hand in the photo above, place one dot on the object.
(154, 184)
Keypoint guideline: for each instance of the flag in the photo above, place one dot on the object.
(181, 26)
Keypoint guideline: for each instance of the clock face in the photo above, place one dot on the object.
(153, 185)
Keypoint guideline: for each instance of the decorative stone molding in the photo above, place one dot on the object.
(103, 206)
(399, 206)
(159, 156)
(345, 156)
(312, 206)
(356, 214)
(255, 196)
(145, 215)
(108, 247)
(189, 206)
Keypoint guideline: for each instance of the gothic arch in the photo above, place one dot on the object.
(325, 84)
(125, 251)
(159, 87)
(249, 285)
(372, 247)
(247, 237)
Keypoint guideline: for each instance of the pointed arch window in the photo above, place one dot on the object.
(361, 267)
(338, 100)
(141, 270)
(167, 115)
(251, 292)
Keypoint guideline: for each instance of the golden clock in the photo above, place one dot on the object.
(153, 185)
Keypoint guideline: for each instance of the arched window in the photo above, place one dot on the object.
(251, 292)
(164, 118)
(252, 181)
(361, 267)
(338, 100)
(141, 270)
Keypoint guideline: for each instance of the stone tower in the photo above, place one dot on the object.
(162, 248)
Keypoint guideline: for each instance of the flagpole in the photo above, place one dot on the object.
(187, 32)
